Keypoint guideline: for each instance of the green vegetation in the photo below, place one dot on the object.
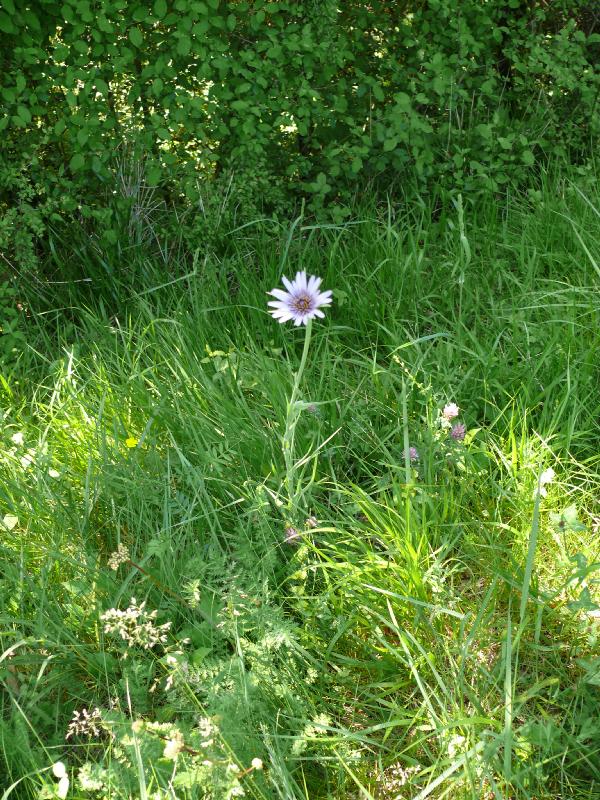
(356, 560)
(430, 626)
(276, 101)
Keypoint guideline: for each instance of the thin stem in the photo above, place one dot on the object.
(291, 420)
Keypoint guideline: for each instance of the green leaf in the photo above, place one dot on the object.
(528, 158)
(199, 655)
(77, 162)
(160, 8)
(184, 45)
(567, 519)
(378, 93)
(402, 101)
(140, 14)
(136, 37)
(153, 175)
(6, 25)
(24, 113)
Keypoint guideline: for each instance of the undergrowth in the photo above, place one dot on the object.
(425, 626)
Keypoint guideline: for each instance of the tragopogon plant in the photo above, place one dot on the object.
(301, 303)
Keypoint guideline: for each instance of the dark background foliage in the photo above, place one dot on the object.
(109, 104)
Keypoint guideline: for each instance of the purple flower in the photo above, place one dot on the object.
(301, 302)
(292, 535)
(458, 432)
(413, 454)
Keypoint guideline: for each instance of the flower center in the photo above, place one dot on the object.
(302, 303)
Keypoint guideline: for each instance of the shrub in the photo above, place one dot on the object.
(294, 98)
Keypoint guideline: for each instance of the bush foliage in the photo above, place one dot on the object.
(292, 98)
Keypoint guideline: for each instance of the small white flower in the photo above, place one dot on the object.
(174, 746)
(59, 771)
(85, 723)
(120, 556)
(301, 302)
(257, 763)
(92, 778)
(546, 477)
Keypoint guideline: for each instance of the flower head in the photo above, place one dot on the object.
(120, 556)
(450, 411)
(174, 746)
(458, 432)
(85, 723)
(413, 453)
(292, 535)
(301, 302)
(546, 477)
(135, 626)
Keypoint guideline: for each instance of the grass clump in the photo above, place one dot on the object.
(421, 620)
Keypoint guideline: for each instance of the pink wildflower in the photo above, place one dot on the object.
(413, 454)
(458, 432)
(451, 411)
(291, 535)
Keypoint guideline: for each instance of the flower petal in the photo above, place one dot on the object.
(281, 316)
(288, 284)
(324, 298)
(280, 294)
(301, 280)
(314, 283)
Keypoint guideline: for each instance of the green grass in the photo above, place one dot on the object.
(434, 635)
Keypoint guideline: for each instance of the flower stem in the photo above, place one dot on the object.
(292, 415)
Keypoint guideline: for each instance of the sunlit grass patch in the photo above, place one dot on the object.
(402, 604)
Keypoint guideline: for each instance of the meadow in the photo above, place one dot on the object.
(221, 578)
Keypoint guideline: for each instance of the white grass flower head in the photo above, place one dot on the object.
(450, 411)
(301, 302)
